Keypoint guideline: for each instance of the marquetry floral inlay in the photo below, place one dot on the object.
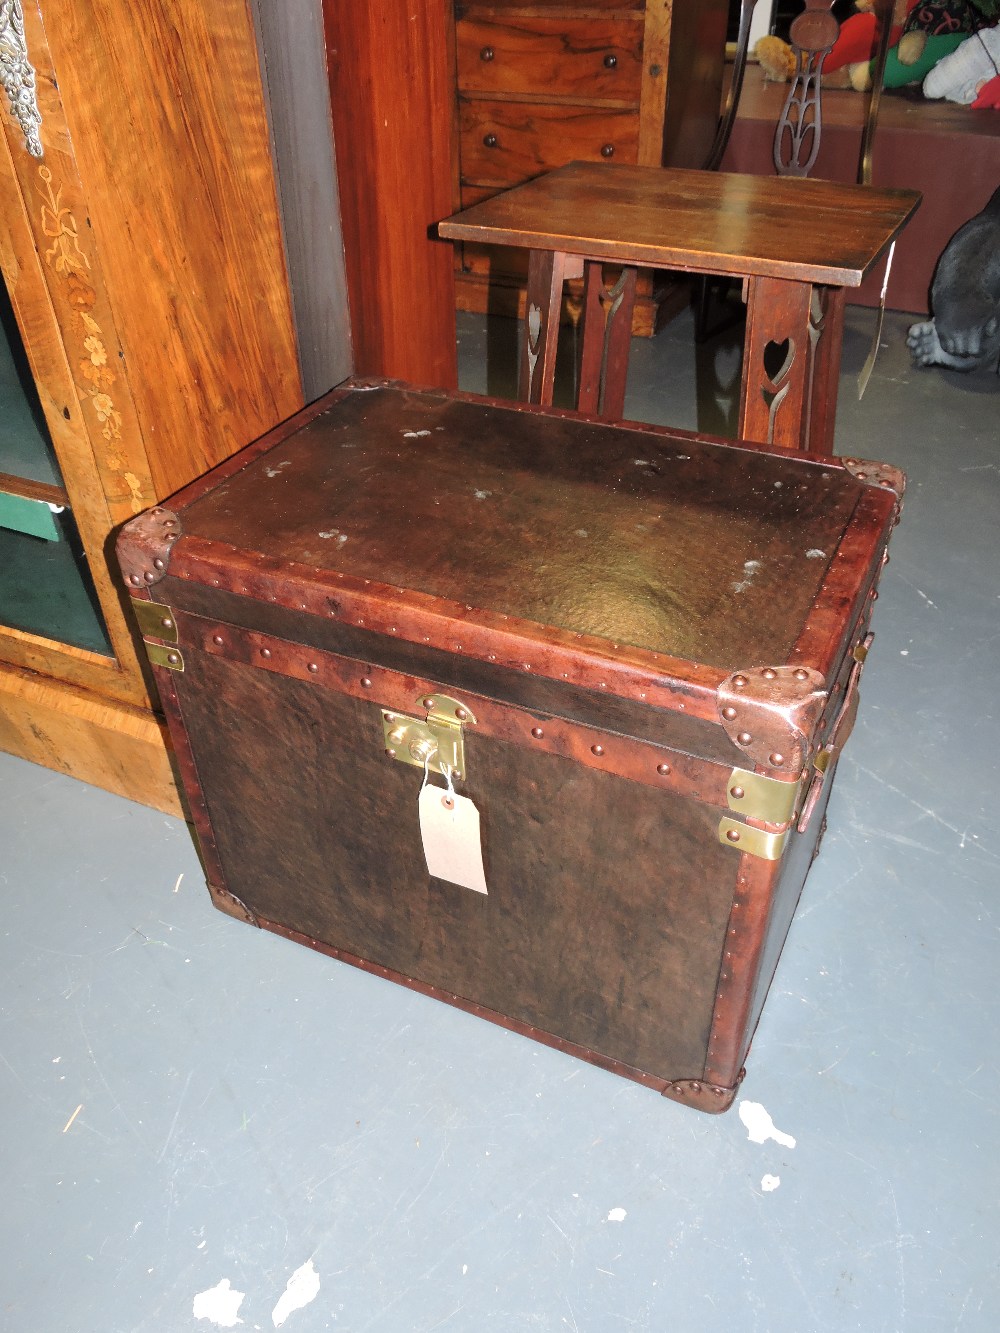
(67, 258)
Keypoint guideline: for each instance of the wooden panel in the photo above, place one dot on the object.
(170, 136)
(298, 101)
(588, 59)
(695, 64)
(51, 272)
(532, 138)
(391, 82)
(124, 750)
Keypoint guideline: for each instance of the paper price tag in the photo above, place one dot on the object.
(453, 846)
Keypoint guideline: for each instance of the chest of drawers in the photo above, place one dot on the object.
(539, 85)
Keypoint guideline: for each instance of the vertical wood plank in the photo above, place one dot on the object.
(392, 91)
(774, 399)
(166, 117)
(298, 103)
(543, 302)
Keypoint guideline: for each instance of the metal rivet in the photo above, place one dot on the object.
(167, 623)
(801, 674)
(135, 580)
(218, 639)
(737, 793)
(366, 683)
(158, 563)
(173, 658)
(744, 738)
(769, 673)
(149, 576)
(729, 713)
(391, 754)
(461, 713)
(457, 774)
(313, 666)
(740, 681)
(733, 835)
(428, 703)
(663, 769)
(265, 652)
(597, 749)
(537, 732)
(776, 759)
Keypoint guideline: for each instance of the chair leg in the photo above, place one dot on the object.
(543, 300)
(607, 334)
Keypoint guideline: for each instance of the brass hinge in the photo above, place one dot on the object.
(162, 656)
(156, 621)
(436, 743)
(768, 846)
(758, 797)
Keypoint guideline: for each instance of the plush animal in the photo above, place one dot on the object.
(963, 332)
(932, 31)
(923, 33)
(847, 64)
(965, 75)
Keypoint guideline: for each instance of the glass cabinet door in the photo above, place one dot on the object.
(45, 585)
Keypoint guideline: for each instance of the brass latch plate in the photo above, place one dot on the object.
(755, 796)
(436, 742)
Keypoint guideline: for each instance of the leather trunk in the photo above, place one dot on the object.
(638, 649)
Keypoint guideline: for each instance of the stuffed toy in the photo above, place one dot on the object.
(932, 31)
(971, 73)
(963, 332)
(923, 33)
(847, 64)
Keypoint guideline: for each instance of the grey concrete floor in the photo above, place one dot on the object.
(194, 1113)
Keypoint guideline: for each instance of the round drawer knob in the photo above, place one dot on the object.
(610, 62)
(487, 53)
(608, 150)
(490, 140)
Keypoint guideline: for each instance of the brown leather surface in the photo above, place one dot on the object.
(608, 901)
(667, 542)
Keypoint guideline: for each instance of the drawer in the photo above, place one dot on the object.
(598, 58)
(504, 143)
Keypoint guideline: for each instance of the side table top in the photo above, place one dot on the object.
(697, 221)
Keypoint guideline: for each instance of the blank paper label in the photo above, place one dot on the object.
(453, 848)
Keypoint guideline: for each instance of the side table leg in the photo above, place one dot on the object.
(777, 364)
(607, 335)
(543, 302)
(827, 326)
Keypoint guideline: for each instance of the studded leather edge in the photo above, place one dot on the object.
(771, 713)
(144, 546)
(883, 475)
(703, 1096)
(232, 906)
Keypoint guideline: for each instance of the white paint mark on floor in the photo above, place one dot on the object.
(617, 1215)
(220, 1305)
(276, 471)
(482, 495)
(760, 1126)
(303, 1286)
(814, 553)
(414, 434)
(769, 1183)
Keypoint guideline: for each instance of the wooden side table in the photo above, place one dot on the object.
(797, 244)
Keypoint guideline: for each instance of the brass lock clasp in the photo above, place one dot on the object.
(436, 742)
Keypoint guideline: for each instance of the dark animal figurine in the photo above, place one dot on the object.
(964, 331)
